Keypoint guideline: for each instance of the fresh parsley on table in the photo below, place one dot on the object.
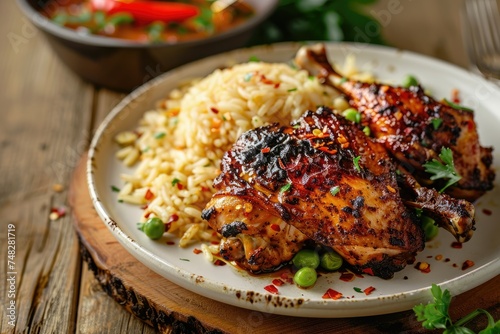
(435, 315)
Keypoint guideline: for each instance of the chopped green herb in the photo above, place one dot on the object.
(443, 171)
(409, 81)
(435, 315)
(155, 31)
(115, 189)
(334, 190)
(140, 226)
(356, 163)
(352, 115)
(120, 18)
(358, 290)
(367, 131)
(120, 201)
(183, 259)
(145, 149)
(224, 118)
(292, 90)
(311, 77)
(436, 123)
(175, 181)
(253, 59)
(285, 188)
(342, 80)
(159, 135)
(296, 126)
(457, 106)
(60, 19)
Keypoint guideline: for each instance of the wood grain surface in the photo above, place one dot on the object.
(48, 116)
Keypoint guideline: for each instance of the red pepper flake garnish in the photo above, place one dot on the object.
(214, 110)
(326, 150)
(219, 263)
(265, 150)
(487, 212)
(456, 244)
(214, 242)
(144, 207)
(271, 289)
(282, 165)
(346, 277)
(197, 251)
(275, 227)
(205, 188)
(368, 271)
(369, 290)
(455, 96)
(56, 213)
(467, 264)
(173, 218)
(277, 85)
(332, 294)
(149, 195)
(470, 125)
(278, 282)
(147, 214)
(180, 186)
(170, 243)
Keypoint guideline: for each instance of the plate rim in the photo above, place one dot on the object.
(213, 290)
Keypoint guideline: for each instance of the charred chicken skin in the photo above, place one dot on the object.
(413, 127)
(320, 179)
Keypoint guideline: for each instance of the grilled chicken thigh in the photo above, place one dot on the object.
(320, 179)
(413, 127)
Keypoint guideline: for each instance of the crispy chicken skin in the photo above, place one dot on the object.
(413, 126)
(278, 189)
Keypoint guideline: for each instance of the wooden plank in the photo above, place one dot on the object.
(42, 135)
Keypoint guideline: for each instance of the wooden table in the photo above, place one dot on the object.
(48, 116)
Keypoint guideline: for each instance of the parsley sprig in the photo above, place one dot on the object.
(443, 171)
(435, 315)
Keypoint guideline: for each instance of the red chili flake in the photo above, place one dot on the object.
(424, 267)
(170, 243)
(470, 125)
(197, 251)
(369, 290)
(455, 95)
(456, 244)
(214, 242)
(326, 150)
(332, 294)
(147, 214)
(219, 263)
(205, 189)
(265, 150)
(275, 227)
(149, 195)
(346, 277)
(285, 277)
(407, 131)
(144, 207)
(271, 289)
(368, 271)
(467, 264)
(214, 110)
(487, 212)
(278, 282)
(180, 186)
(277, 85)
(60, 211)
(173, 218)
(282, 165)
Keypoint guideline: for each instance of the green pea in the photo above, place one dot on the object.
(409, 81)
(429, 227)
(305, 277)
(306, 258)
(352, 115)
(154, 228)
(331, 261)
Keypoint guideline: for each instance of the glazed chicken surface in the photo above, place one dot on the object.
(321, 180)
(413, 127)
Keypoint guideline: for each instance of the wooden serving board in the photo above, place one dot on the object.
(171, 308)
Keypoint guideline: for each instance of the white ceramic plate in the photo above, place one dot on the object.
(228, 285)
